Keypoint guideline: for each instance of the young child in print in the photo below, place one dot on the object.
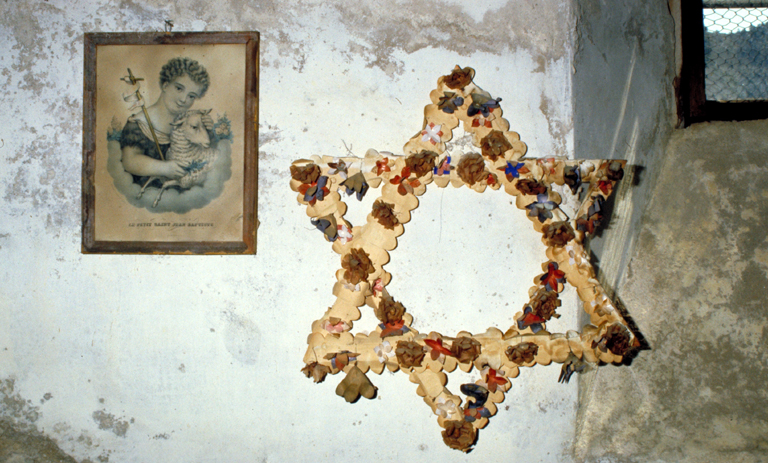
(182, 82)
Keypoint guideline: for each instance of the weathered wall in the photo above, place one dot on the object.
(149, 358)
(623, 106)
(696, 285)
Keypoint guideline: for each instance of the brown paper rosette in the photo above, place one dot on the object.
(389, 310)
(529, 186)
(306, 174)
(385, 214)
(465, 349)
(459, 435)
(522, 353)
(494, 145)
(616, 339)
(471, 168)
(421, 163)
(459, 78)
(357, 266)
(409, 353)
(544, 303)
(558, 233)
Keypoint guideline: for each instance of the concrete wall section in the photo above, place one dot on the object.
(697, 286)
(623, 108)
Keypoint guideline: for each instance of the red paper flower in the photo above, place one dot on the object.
(553, 277)
(382, 166)
(436, 348)
(605, 186)
(493, 380)
(404, 185)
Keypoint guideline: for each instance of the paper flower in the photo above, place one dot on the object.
(553, 277)
(395, 328)
(472, 168)
(432, 133)
(404, 184)
(558, 233)
(351, 287)
(338, 166)
(384, 351)
(548, 164)
(544, 303)
(378, 286)
(459, 78)
(409, 353)
(385, 214)
(530, 319)
(389, 310)
(522, 353)
(465, 349)
(356, 184)
(444, 408)
(357, 265)
(327, 225)
(444, 168)
(343, 233)
(482, 104)
(382, 166)
(588, 223)
(315, 191)
(541, 208)
(316, 371)
(613, 171)
(572, 365)
(306, 174)
(494, 379)
(459, 435)
(421, 163)
(449, 102)
(494, 145)
(335, 325)
(572, 177)
(480, 121)
(355, 385)
(475, 408)
(514, 169)
(615, 339)
(339, 360)
(437, 351)
(529, 186)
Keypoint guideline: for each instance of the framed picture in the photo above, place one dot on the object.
(170, 143)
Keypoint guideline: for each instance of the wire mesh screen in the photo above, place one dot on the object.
(735, 52)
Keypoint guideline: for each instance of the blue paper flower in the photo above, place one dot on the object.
(541, 208)
(482, 104)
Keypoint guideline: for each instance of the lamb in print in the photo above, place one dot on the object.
(190, 143)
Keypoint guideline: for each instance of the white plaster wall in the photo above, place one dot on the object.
(178, 359)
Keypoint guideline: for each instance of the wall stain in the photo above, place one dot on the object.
(242, 338)
(107, 421)
(20, 440)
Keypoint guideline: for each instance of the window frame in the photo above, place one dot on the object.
(691, 98)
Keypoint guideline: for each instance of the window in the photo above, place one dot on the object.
(724, 72)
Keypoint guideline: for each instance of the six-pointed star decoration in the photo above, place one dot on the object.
(362, 280)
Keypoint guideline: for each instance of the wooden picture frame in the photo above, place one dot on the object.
(170, 143)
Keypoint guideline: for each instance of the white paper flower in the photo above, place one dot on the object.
(384, 351)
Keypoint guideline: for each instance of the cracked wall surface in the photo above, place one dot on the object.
(135, 358)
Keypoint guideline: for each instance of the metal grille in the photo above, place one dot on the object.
(735, 52)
